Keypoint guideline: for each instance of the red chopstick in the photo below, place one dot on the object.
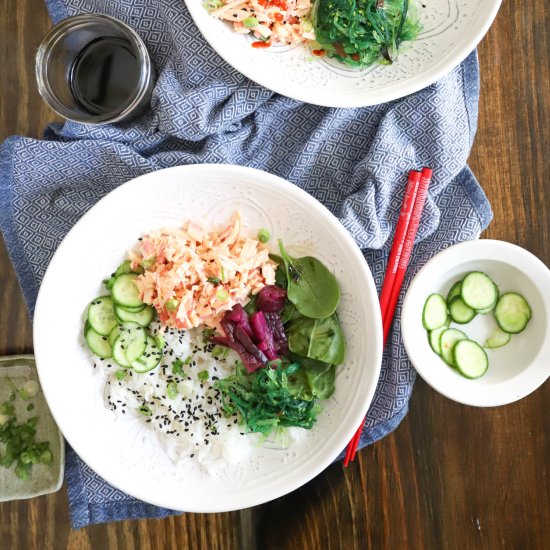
(403, 242)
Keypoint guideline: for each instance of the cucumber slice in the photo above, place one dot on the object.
(512, 312)
(449, 338)
(113, 335)
(454, 292)
(435, 313)
(136, 309)
(485, 311)
(150, 358)
(142, 318)
(478, 291)
(119, 354)
(98, 344)
(470, 359)
(130, 344)
(101, 315)
(434, 337)
(459, 311)
(498, 339)
(124, 292)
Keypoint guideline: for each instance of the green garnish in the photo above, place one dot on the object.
(171, 390)
(249, 23)
(120, 374)
(144, 410)
(177, 365)
(263, 235)
(222, 273)
(149, 262)
(212, 5)
(220, 352)
(202, 375)
(214, 280)
(20, 439)
(222, 295)
(159, 341)
(171, 304)
(268, 399)
(363, 32)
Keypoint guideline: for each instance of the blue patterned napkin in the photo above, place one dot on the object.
(355, 161)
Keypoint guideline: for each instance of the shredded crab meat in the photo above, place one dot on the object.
(191, 277)
(283, 22)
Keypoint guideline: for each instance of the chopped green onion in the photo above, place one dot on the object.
(171, 390)
(220, 352)
(46, 457)
(214, 280)
(212, 5)
(222, 273)
(250, 22)
(30, 407)
(30, 389)
(150, 262)
(120, 374)
(159, 341)
(263, 235)
(172, 304)
(222, 295)
(144, 410)
(176, 367)
(202, 375)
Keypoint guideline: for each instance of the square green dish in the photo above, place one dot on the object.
(15, 371)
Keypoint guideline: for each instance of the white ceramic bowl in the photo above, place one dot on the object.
(451, 29)
(516, 369)
(125, 452)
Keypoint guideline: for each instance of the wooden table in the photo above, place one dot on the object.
(451, 476)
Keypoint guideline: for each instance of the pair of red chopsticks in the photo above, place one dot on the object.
(403, 242)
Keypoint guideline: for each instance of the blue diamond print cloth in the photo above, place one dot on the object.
(354, 161)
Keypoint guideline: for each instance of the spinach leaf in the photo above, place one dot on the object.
(319, 339)
(315, 378)
(280, 272)
(312, 288)
(321, 378)
(289, 313)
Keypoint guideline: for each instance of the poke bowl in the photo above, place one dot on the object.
(176, 405)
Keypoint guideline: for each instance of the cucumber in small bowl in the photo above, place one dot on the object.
(435, 312)
(479, 291)
(512, 312)
(470, 359)
(448, 340)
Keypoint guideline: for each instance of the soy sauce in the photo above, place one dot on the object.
(104, 75)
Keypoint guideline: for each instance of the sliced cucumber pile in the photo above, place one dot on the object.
(475, 294)
(116, 325)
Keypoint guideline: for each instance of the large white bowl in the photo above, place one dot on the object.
(451, 30)
(125, 453)
(516, 369)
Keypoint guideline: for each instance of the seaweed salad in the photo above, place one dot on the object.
(362, 32)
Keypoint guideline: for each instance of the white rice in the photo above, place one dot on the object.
(191, 425)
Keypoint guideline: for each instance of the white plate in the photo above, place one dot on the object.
(131, 459)
(451, 30)
(516, 369)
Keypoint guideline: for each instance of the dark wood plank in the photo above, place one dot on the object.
(451, 476)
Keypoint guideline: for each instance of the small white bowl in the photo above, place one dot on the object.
(516, 369)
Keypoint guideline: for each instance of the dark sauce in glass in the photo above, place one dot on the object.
(104, 75)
